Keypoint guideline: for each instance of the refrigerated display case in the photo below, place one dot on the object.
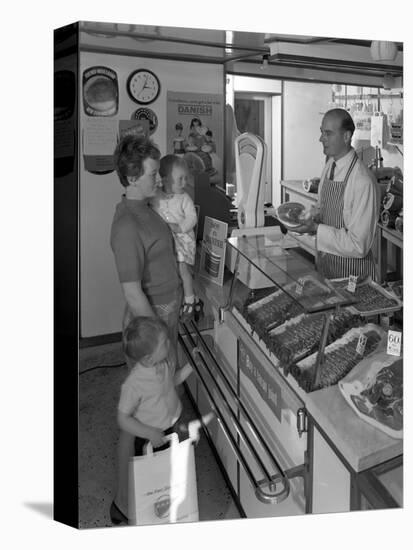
(285, 446)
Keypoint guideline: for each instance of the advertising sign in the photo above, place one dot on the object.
(195, 129)
(269, 390)
(213, 250)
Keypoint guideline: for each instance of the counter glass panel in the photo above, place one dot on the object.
(266, 261)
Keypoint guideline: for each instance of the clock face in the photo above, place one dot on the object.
(143, 86)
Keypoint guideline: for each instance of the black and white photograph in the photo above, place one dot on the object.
(227, 303)
(285, 382)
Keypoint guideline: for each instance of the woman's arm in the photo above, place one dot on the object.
(136, 299)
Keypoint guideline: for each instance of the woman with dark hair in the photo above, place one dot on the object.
(143, 247)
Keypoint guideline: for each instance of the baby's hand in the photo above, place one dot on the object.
(157, 437)
(174, 227)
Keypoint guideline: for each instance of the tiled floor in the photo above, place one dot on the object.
(98, 395)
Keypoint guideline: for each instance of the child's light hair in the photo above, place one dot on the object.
(168, 162)
(141, 336)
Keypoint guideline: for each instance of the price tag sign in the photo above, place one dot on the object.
(394, 342)
(361, 344)
(300, 286)
(352, 282)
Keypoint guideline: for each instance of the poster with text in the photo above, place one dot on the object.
(214, 243)
(195, 130)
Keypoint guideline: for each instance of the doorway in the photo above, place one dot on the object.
(254, 112)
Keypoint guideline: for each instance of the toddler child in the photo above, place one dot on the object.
(149, 406)
(177, 209)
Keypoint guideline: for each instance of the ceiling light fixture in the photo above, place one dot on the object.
(383, 51)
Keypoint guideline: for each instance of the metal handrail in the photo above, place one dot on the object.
(265, 490)
(239, 427)
(244, 411)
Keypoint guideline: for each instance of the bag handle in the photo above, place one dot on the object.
(172, 437)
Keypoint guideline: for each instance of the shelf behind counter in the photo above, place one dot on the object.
(359, 444)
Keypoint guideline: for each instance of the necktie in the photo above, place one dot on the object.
(333, 166)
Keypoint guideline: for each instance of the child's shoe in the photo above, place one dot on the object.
(117, 517)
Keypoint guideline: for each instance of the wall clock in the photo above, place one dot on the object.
(143, 86)
(143, 113)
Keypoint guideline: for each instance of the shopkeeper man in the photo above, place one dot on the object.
(347, 211)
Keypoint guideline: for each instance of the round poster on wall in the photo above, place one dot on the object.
(100, 91)
(143, 113)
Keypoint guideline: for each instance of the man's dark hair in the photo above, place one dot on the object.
(130, 154)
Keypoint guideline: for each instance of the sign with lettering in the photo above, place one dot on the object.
(214, 243)
(269, 390)
(195, 125)
(394, 342)
(361, 344)
(352, 282)
(100, 91)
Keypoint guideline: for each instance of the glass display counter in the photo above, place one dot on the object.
(272, 315)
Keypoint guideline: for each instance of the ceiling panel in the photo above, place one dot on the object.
(218, 46)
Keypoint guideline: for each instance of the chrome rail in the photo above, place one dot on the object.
(261, 441)
(265, 489)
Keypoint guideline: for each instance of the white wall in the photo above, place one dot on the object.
(101, 298)
(303, 109)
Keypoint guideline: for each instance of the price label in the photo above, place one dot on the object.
(394, 342)
(300, 286)
(352, 282)
(361, 344)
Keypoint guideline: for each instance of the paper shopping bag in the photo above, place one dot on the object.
(162, 485)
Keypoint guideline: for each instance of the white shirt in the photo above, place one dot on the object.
(176, 208)
(361, 211)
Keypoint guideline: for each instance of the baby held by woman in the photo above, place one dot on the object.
(177, 209)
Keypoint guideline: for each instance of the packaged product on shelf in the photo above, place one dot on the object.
(371, 298)
(340, 358)
(300, 336)
(374, 390)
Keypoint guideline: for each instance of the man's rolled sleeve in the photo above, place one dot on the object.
(360, 217)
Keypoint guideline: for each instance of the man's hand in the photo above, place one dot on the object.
(308, 226)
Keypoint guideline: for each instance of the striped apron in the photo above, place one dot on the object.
(329, 265)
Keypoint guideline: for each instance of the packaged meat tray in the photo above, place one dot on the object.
(374, 390)
(272, 313)
(309, 291)
(371, 298)
(300, 336)
(290, 213)
(340, 358)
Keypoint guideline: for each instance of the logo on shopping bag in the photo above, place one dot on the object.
(162, 506)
